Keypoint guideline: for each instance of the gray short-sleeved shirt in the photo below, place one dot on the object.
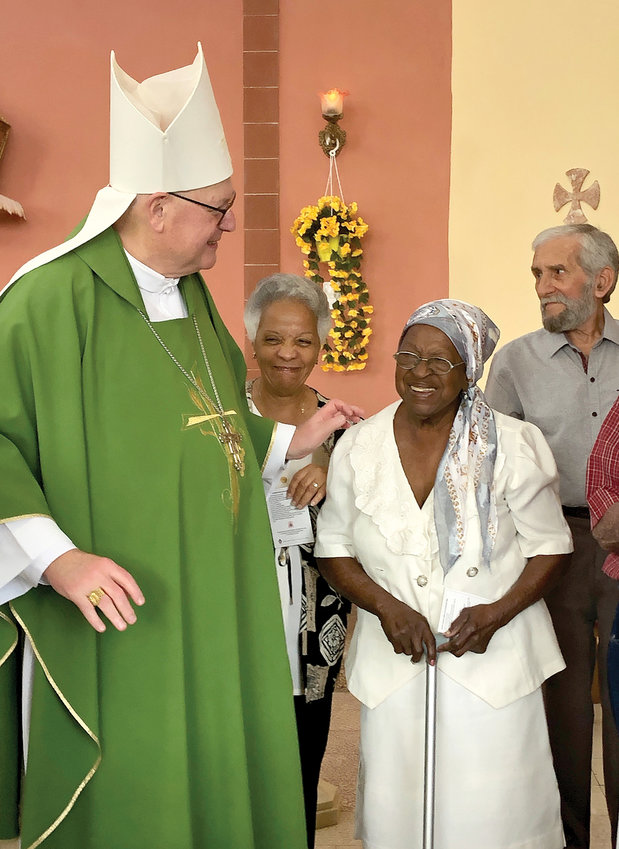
(540, 378)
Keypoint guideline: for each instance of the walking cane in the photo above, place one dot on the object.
(430, 746)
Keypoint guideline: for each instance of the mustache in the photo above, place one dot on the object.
(557, 299)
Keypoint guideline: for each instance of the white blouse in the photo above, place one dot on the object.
(371, 514)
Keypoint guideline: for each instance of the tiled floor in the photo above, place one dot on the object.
(600, 828)
(340, 767)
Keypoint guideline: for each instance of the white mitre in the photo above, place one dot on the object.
(165, 136)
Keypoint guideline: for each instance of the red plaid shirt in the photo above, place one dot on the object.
(603, 477)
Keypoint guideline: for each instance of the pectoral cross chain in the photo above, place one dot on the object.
(223, 430)
(232, 439)
(226, 435)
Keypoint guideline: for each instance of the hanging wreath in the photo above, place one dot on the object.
(330, 233)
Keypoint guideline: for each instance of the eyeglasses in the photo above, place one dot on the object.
(436, 365)
(222, 211)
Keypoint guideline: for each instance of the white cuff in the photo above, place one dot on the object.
(40, 542)
(276, 460)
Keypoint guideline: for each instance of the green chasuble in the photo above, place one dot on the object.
(179, 731)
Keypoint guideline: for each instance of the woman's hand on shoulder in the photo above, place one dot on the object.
(472, 630)
(406, 629)
(308, 485)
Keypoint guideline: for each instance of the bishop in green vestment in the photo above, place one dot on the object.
(132, 434)
(179, 731)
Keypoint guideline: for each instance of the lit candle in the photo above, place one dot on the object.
(332, 101)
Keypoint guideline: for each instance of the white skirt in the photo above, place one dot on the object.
(495, 783)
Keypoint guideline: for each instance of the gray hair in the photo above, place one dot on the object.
(284, 287)
(597, 249)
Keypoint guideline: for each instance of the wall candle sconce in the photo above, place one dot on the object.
(13, 207)
(332, 137)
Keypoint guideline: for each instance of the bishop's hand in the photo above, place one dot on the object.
(87, 578)
(335, 415)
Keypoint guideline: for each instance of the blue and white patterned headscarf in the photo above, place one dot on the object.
(470, 454)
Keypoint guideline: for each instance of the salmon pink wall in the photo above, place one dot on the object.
(54, 91)
(394, 57)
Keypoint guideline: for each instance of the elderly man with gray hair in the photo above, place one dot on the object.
(564, 378)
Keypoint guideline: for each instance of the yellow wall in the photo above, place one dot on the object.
(535, 89)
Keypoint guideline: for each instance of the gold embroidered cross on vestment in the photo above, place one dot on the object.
(225, 432)
(210, 411)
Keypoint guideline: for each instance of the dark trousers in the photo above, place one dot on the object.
(313, 719)
(583, 596)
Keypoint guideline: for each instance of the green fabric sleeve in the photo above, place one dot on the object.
(9, 727)
(20, 493)
(39, 317)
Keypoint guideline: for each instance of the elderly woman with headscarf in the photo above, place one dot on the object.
(443, 516)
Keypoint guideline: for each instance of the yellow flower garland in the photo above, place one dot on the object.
(331, 232)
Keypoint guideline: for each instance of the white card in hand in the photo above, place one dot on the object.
(454, 602)
(289, 525)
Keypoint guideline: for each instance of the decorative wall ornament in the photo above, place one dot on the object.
(13, 207)
(590, 196)
(4, 134)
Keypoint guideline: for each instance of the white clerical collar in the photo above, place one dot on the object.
(161, 295)
(150, 280)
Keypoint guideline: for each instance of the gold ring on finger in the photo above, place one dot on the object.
(95, 596)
